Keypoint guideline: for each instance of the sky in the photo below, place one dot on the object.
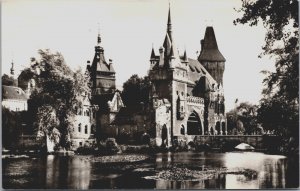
(129, 29)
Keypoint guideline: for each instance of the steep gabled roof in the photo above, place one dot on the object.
(100, 63)
(197, 70)
(209, 47)
(13, 92)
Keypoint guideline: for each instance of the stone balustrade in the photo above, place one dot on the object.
(195, 100)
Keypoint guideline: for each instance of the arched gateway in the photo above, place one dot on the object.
(194, 126)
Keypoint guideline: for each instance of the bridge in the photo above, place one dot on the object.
(259, 142)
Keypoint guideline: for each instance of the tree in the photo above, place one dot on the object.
(7, 80)
(58, 88)
(243, 119)
(47, 124)
(10, 128)
(26, 75)
(136, 90)
(279, 107)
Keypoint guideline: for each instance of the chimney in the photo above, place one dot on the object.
(110, 62)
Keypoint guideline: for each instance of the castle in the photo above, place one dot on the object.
(187, 94)
(187, 97)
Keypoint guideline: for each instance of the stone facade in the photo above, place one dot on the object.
(83, 124)
(192, 90)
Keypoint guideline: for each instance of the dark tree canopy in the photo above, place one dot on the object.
(7, 80)
(279, 107)
(243, 119)
(280, 18)
(57, 91)
(23, 79)
(136, 90)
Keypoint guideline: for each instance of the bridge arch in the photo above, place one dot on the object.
(194, 125)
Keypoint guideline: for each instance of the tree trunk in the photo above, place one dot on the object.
(50, 144)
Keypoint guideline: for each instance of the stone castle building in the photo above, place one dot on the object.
(187, 94)
(104, 92)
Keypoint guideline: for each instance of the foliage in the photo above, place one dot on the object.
(10, 128)
(7, 80)
(136, 90)
(243, 119)
(279, 108)
(280, 115)
(58, 91)
(47, 123)
(26, 75)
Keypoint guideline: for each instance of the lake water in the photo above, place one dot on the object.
(76, 172)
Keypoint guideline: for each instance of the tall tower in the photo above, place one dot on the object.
(102, 73)
(210, 56)
(168, 76)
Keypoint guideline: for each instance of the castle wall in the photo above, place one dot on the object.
(178, 89)
(163, 121)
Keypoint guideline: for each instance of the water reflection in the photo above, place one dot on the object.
(76, 172)
(67, 172)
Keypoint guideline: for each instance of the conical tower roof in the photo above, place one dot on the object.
(209, 47)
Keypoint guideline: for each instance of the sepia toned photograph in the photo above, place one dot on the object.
(150, 94)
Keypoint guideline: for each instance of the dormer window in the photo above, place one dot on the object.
(192, 69)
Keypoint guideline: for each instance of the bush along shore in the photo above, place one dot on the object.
(111, 147)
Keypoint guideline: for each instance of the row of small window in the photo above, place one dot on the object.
(86, 113)
(85, 128)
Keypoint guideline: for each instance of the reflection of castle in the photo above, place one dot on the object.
(187, 94)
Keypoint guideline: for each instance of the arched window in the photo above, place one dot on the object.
(86, 129)
(79, 127)
(87, 113)
(182, 130)
(218, 128)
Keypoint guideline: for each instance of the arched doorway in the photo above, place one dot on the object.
(218, 127)
(164, 135)
(223, 127)
(194, 126)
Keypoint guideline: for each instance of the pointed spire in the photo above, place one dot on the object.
(99, 36)
(185, 59)
(152, 53)
(12, 70)
(169, 26)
